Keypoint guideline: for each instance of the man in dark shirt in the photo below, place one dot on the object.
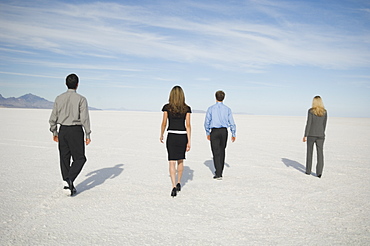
(71, 112)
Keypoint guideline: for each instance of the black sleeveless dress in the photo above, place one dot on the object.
(176, 142)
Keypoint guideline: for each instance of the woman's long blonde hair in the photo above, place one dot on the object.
(318, 108)
(176, 101)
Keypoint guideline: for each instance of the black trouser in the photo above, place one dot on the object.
(71, 144)
(218, 146)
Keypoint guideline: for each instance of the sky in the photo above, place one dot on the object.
(270, 57)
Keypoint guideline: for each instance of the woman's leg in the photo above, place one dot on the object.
(320, 156)
(310, 143)
(172, 169)
(180, 169)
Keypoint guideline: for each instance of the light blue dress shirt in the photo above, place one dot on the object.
(218, 116)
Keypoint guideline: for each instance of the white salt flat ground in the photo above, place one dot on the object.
(124, 189)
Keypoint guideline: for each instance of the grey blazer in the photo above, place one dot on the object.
(315, 126)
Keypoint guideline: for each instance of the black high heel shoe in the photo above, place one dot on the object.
(174, 192)
(178, 187)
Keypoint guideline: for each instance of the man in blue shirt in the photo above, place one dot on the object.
(218, 119)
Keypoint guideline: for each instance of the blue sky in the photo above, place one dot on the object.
(270, 57)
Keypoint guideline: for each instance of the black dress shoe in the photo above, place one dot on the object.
(319, 175)
(217, 177)
(71, 186)
(307, 173)
(174, 192)
(178, 187)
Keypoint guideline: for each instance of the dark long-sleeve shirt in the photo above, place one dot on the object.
(70, 108)
(315, 126)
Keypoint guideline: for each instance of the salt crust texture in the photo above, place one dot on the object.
(124, 189)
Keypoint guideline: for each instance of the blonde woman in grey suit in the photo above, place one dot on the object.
(315, 134)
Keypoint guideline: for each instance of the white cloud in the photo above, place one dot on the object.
(30, 75)
(73, 65)
(117, 31)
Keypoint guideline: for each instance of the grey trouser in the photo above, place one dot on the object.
(320, 154)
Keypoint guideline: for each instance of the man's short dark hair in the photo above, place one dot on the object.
(72, 81)
(220, 95)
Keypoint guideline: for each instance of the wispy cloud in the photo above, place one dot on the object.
(10, 50)
(71, 65)
(203, 79)
(118, 31)
(366, 10)
(31, 75)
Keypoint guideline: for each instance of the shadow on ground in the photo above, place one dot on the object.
(211, 166)
(294, 164)
(187, 175)
(98, 177)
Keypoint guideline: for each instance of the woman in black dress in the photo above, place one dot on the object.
(315, 134)
(177, 112)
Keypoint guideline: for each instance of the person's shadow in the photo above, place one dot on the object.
(294, 164)
(187, 175)
(211, 166)
(98, 177)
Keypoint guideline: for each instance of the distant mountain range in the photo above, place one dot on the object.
(28, 101)
(32, 101)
